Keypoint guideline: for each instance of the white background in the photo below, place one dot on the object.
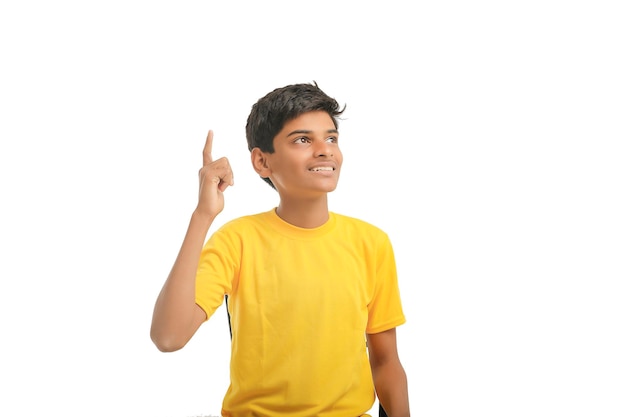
(485, 137)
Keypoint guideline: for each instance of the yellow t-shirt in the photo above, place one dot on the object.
(300, 302)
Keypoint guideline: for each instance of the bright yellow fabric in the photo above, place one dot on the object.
(301, 301)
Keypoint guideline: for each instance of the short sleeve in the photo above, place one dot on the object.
(216, 271)
(385, 308)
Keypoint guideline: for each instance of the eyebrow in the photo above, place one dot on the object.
(306, 132)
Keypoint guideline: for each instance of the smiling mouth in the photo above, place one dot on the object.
(322, 169)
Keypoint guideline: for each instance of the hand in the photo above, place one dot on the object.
(215, 177)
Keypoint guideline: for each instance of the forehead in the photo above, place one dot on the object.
(313, 121)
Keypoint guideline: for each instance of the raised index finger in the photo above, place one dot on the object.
(207, 158)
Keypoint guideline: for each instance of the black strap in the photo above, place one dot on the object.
(230, 328)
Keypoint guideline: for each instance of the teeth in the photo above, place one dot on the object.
(322, 169)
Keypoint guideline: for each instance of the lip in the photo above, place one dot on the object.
(323, 165)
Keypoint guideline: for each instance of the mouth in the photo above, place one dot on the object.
(318, 169)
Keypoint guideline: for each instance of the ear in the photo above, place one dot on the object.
(260, 162)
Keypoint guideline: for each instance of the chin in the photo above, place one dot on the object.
(330, 188)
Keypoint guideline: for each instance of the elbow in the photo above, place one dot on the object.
(165, 343)
(165, 347)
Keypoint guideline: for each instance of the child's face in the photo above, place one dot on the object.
(306, 159)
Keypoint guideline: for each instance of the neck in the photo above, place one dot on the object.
(307, 214)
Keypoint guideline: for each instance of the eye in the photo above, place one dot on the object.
(301, 139)
(332, 139)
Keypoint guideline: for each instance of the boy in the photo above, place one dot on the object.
(313, 295)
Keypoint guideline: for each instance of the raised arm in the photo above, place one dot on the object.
(389, 376)
(176, 315)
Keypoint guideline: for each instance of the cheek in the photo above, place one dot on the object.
(339, 158)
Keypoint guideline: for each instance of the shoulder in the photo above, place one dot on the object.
(343, 219)
(363, 227)
(243, 223)
(233, 233)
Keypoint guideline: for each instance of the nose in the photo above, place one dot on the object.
(323, 148)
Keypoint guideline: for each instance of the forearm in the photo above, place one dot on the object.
(173, 321)
(391, 388)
